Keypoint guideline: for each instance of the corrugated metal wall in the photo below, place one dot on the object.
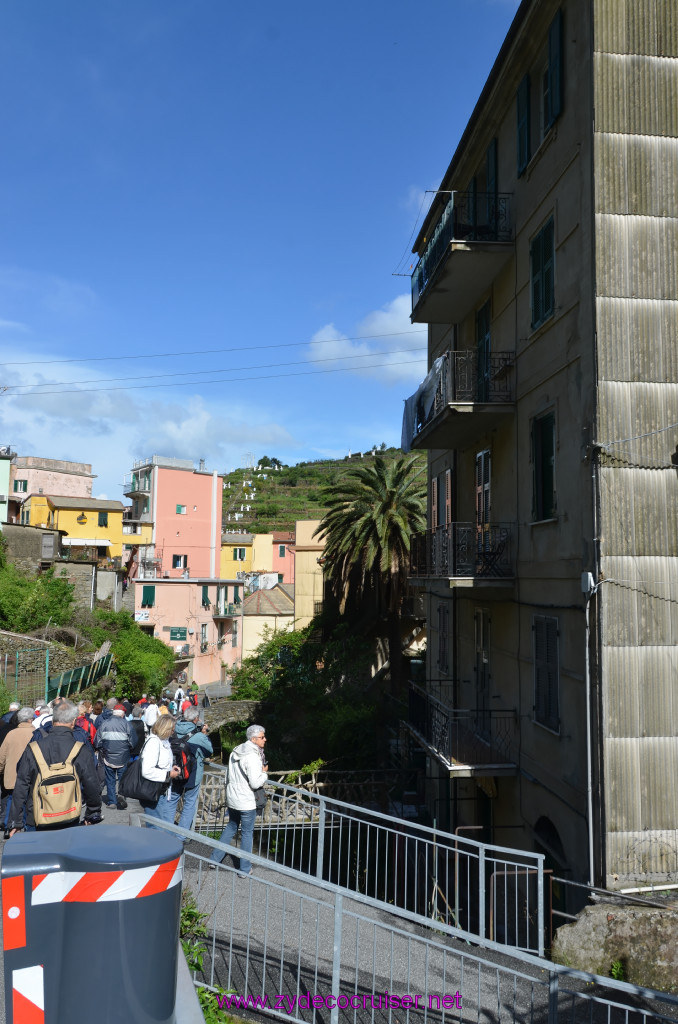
(636, 204)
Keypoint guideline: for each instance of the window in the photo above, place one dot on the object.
(549, 78)
(179, 561)
(181, 510)
(234, 634)
(20, 486)
(148, 597)
(238, 554)
(543, 467)
(523, 124)
(203, 638)
(443, 633)
(102, 519)
(178, 633)
(541, 274)
(205, 596)
(281, 577)
(482, 642)
(546, 703)
(552, 89)
(145, 506)
(236, 594)
(281, 550)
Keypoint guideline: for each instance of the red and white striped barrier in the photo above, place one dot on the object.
(28, 995)
(104, 886)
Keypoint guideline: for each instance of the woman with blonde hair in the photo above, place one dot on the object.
(157, 762)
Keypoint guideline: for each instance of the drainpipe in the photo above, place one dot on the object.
(93, 588)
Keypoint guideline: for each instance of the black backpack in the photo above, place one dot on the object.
(186, 760)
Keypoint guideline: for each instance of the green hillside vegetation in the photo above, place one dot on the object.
(288, 493)
(42, 604)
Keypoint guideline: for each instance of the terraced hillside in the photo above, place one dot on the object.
(271, 496)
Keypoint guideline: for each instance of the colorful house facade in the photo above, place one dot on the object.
(89, 526)
(200, 619)
(182, 506)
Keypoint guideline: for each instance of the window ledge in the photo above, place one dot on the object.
(551, 136)
(542, 522)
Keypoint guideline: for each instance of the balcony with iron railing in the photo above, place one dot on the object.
(226, 611)
(135, 483)
(465, 394)
(470, 743)
(468, 247)
(465, 553)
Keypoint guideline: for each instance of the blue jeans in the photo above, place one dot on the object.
(112, 777)
(244, 820)
(187, 811)
(157, 810)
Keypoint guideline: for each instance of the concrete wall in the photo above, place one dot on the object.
(52, 476)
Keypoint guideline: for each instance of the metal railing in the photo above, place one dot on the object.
(464, 549)
(467, 217)
(395, 862)
(302, 950)
(226, 611)
(470, 376)
(481, 737)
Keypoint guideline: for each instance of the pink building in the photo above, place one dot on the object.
(200, 619)
(31, 474)
(183, 506)
(283, 556)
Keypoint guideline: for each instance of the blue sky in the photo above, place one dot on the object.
(188, 175)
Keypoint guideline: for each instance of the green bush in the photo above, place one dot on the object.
(143, 663)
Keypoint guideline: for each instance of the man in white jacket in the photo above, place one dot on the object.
(247, 771)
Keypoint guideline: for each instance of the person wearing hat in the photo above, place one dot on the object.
(114, 741)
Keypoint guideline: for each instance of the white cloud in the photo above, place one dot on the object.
(111, 429)
(388, 353)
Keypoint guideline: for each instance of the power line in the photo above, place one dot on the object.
(225, 369)
(207, 351)
(219, 380)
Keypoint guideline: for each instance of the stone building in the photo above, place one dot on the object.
(548, 278)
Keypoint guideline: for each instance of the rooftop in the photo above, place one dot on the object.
(276, 601)
(96, 504)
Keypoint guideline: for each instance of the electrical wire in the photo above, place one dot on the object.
(225, 369)
(207, 351)
(219, 380)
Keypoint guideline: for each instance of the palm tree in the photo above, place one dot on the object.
(372, 512)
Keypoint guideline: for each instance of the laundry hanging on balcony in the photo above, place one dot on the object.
(418, 406)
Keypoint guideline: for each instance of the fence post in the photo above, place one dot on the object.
(336, 957)
(553, 998)
(540, 905)
(481, 892)
(46, 671)
(320, 852)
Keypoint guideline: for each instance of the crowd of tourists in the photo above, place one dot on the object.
(57, 759)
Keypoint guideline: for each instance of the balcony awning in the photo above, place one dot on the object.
(422, 400)
(86, 542)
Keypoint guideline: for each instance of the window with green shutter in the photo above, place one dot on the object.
(178, 633)
(542, 275)
(543, 467)
(546, 674)
(553, 104)
(148, 597)
(236, 595)
(523, 123)
(103, 519)
(205, 596)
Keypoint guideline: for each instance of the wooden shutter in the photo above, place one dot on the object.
(547, 270)
(523, 123)
(148, 597)
(448, 497)
(492, 193)
(483, 497)
(546, 697)
(536, 279)
(555, 70)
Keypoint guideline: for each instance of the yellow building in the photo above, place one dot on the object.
(308, 573)
(237, 551)
(86, 523)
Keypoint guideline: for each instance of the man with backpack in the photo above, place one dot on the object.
(190, 746)
(54, 778)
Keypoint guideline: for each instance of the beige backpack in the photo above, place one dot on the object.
(57, 797)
